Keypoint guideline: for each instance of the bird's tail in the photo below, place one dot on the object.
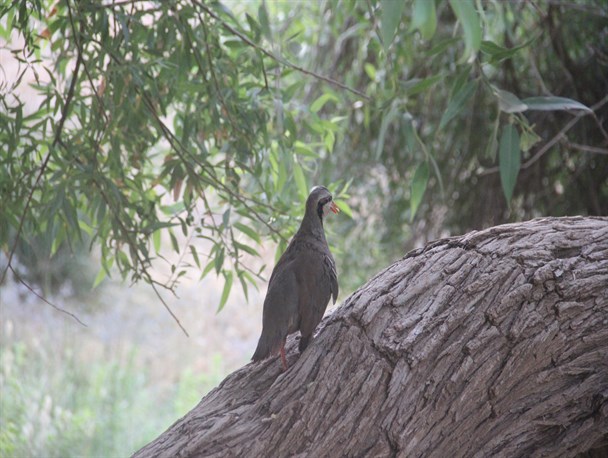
(267, 346)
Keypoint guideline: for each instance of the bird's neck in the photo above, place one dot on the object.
(312, 224)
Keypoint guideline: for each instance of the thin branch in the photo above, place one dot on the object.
(600, 126)
(59, 309)
(547, 146)
(278, 59)
(588, 148)
(171, 282)
(117, 4)
(152, 283)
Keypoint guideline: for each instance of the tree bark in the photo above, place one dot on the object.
(494, 343)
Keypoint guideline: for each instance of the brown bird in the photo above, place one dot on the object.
(301, 283)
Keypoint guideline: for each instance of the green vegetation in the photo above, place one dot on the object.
(214, 119)
(61, 404)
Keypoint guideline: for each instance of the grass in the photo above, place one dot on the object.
(57, 402)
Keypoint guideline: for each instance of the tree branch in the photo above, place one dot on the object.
(434, 355)
(59, 309)
(588, 148)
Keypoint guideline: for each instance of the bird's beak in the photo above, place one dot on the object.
(334, 208)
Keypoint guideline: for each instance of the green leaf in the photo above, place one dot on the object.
(470, 21)
(253, 25)
(195, 256)
(123, 261)
(528, 139)
(174, 242)
(458, 102)
(387, 119)
(208, 268)
(173, 209)
(441, 46)
(344, 207)
(246, 248)
(370, 70)
(243, 281)
(298, 176)
(424, 18)
(318, 104)
(499, 53)
(248, 231)
(554, 103)
(99, 278)
(156, 240)
(418, 187)
(509, 102)
(462, 77)
(509, 160)
(263, 20)
(492, 146)
(282, 176)
(226, 291)
(392, 10)
(85, 227)
(329, 141)
(219, 261)
(18, 117)
(409, 133)
(304, 150)
(417, 85)
(226, 218)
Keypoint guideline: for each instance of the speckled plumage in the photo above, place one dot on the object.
(301, 283)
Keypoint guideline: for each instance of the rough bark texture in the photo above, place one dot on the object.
(490, 344)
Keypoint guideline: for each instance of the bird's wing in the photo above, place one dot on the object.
(280, 316)
(329, 267)
(317, 286)
(286, 258)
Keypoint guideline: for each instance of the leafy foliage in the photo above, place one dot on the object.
(210, 120)
(444, 97)
(180, 127)
(56, 403)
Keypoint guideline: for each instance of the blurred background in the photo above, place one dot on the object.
(106, 389)
(166, 149)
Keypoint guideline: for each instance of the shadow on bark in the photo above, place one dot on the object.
(494, 343)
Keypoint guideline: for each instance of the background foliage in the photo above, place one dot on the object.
(54, 404)
(213, 120)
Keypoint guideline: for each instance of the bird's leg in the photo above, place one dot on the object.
(283, 359)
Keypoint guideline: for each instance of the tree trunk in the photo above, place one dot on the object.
(494, 343)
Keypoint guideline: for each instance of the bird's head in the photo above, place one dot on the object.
(321, 202)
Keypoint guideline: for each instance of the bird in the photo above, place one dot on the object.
(302, 282)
